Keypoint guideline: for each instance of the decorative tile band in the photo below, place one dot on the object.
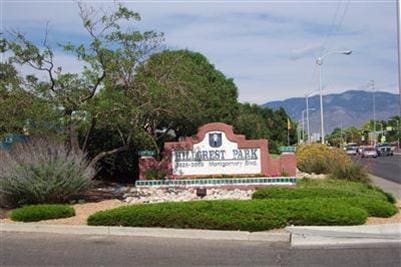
(218, 181)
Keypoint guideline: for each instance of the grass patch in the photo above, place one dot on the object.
(34, 213)
(251, 215)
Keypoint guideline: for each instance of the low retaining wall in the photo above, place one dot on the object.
(220, 182)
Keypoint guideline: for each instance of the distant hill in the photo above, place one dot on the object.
(350, 108)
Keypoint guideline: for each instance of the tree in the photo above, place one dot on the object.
(262, 122)
(188, 90)
(21, 111)
(336, 138)
(353, 135)
(110, 59)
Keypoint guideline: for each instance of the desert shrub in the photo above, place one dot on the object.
(34, 213)
(319, 158)
(352, 171)
(42, 171)
(251, 215)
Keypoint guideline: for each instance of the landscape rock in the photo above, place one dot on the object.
(170, 194)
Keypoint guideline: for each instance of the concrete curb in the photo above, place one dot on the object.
(384, 231)
(309, 236)
(147, 232)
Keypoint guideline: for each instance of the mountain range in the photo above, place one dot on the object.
(350, 108)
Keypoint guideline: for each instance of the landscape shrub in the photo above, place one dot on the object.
(299, 193)
(42, 171)
(319, 158)
(34, 213)
(374, 202)
(327, 188)
(324, 211)
(250, 215)
(352, 172)
(344, 185)
(375, 207)
(390, 197)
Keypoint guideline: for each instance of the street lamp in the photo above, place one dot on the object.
(372, 83)
(307, 113)
(307, 122)
(319, 62)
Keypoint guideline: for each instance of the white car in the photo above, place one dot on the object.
(369, 152)
(351, 150)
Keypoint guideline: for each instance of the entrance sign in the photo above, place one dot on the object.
(216, 154)
(216, 150)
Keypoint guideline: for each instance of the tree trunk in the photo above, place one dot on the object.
(74, 142)
(107, 153)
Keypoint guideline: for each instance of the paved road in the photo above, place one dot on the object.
(34, 249)
(385, 167)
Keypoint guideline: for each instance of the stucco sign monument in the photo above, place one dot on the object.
(216, 150)
(217, 153)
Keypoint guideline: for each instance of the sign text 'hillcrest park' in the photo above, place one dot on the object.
(216, 150)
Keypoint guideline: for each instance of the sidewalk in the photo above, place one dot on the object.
(387, 185)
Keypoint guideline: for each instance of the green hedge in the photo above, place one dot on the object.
(374, 207)
(251, 215)
(298, 193)
(374, 201)
(310, 188)
(34, 213)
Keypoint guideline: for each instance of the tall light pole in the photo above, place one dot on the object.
(303, 127)
(319, 62)
(399, 50)
(307, 114)
(372, 83)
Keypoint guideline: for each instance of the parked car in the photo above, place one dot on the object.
(351, 150)
(369, 152)
(384, 150)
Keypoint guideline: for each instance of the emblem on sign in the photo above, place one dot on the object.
(215, 139)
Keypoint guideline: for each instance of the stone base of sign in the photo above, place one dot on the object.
(284, 165)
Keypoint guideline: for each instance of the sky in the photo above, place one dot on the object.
(269, 48)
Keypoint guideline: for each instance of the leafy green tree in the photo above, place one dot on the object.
(22, 111)
(262, 122)
(188, 90)
(353, 135)
(110, 60)
(394, 134)
(336, 138)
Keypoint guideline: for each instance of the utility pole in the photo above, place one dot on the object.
(372, 83)
(307, 118)
(399, 51)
